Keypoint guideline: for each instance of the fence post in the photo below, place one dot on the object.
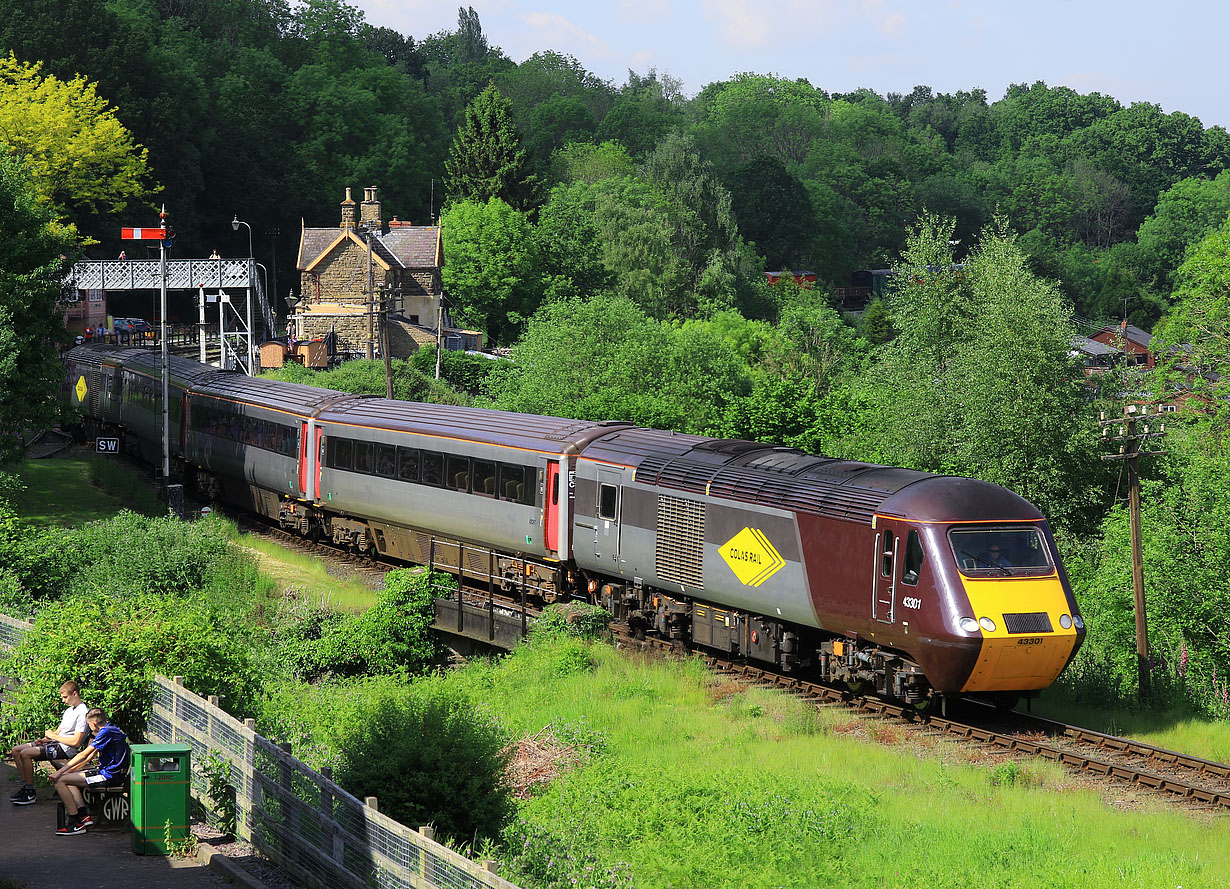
(429, 833)
(330, 841)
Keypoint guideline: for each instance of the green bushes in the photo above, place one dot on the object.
(431, 758)
(113, 646)
(390, 637)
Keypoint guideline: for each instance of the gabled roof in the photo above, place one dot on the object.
(401, 247)
(1090, 347)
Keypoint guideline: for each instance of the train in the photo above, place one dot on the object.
(915, 586)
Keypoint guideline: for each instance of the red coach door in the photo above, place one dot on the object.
(303, 460)
(550, 512)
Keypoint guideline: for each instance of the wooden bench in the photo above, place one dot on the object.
(109, 807)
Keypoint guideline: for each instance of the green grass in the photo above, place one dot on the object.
(701, 785)
(686, 779)
(311, 579)
(71, 491)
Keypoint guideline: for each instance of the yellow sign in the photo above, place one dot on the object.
(81, 388)
(750, 555)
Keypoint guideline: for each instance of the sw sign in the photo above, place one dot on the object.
(107, 445)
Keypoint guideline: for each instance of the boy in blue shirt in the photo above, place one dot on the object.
(110, 746)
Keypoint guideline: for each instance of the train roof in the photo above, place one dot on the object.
(554, 435)
(293, 398)
(786, 478)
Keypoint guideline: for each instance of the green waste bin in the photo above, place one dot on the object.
(161, 785)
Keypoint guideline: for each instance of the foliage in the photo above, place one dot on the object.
(78, 152)
(576, 620)
(31, 249)
(487, 160)
(604, 359)
(391, 637)
(362, 377)
(489, 266)
(113, 646)
(220, 789)
(978, 381)
(447, 756)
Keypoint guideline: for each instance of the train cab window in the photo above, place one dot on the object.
(886, 554)
(484, 477)
(433, 467)
(408, 464)
(386, 461)
(911, 566)
(1000, 550)
(341, 453)
(362, 456)
(457, 475)
(608, 501)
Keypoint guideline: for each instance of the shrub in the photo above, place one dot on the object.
(576, 620)
(431, 758)
(114, 646)
(393, 636)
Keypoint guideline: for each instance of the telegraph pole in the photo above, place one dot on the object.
(1134, 432)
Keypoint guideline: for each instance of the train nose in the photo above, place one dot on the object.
(1028, 633)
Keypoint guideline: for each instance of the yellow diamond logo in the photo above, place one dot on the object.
(750, 555)
(81, 388)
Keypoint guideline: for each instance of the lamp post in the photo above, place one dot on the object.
(235, 223)
(292, 303)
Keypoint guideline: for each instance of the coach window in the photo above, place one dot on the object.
(343, 453)
(433, 467)
(510, 481)
(608, 501)
(363, 456)
(457, 475)
(484, 477)
(912, 565)
(386, 461)
(408, 464)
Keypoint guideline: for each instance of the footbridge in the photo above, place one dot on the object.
(211, 278)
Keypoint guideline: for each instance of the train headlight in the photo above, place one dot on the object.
(987, 624)
(1079, 621)
(1065, 621)
(969, 625)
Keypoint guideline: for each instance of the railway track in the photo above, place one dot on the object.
(1176, 776)
(1199, 782)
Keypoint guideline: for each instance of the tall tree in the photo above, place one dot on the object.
(978, 381)
(489, 266)
(81, 158)
(487, 160)
(32, 245)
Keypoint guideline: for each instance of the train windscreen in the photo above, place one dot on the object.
(1000, 550)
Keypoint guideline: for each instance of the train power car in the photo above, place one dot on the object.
(913, 585)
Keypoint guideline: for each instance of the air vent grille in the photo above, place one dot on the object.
(1031, 622)
(681, 541)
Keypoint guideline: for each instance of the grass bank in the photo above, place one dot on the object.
(71, 491)
(663, 775)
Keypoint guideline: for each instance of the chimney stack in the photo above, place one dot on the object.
(348, 211)
(369, 210)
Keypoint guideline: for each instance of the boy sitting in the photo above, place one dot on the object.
(60, 743)
(110, 746)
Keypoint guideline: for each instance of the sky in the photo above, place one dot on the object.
(1166, 53)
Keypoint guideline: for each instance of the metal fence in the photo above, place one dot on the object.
(299, 818)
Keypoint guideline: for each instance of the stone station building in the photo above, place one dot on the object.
(336, 265)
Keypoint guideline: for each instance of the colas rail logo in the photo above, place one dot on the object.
(751, 557)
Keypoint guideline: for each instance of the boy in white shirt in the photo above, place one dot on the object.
(60, 743)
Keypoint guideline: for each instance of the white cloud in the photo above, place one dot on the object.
(894, 25)
(561, 34)
(742, 22)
